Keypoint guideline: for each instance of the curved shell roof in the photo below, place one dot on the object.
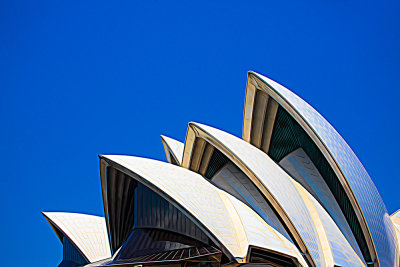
(333, 246)
(174, 148)
(365, 198)
(231, 222)
(87, 232)
(302, 169)
(273, 182)
(230, 179)
(337, 249)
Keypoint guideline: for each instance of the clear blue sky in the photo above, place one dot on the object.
(82, 79)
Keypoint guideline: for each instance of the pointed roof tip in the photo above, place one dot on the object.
(107, 156)
(164, 138)
(47, 214)
(395, 213)
(261, 76)
(192, 124)
(196, 123)
(255, 74)
(173, 147)
(167, 138)
(199, 125)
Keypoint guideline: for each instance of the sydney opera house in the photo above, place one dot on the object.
(290, 192)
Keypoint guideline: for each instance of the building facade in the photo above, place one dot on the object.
(290, 192)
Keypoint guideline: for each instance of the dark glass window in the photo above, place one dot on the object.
(217, 161)
(270, 259)
(154, 247)
(155, 212)
(145, 226)
(120, 201)
(71, 255)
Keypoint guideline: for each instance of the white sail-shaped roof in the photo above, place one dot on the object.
(336, 248)
(230, 179)
(302, 169)
(172, 148)
(228, 221)
(364, 197)
(301, 207)
(272, 181)
(87, 232)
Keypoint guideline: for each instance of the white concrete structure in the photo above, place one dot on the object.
(290, 192)
(265, 101)
(87, 232)
(209, 206)
(173, 150)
